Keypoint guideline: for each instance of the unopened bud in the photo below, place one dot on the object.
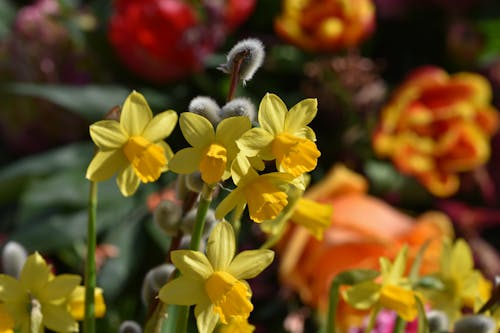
(194, 182)
(250, 53)
(154, 280)
(13, 258)
(206, 107)
(188, 221)
(239, 107)
(475, 324)
(438, 321)
(129, 326)
(114, 113)
(167, 217)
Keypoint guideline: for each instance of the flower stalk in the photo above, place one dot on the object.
(90, 267)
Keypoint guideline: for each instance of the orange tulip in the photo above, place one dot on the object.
(363, 228)
(436, 126)
(325, 25)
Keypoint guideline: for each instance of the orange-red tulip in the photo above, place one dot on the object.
(437, 125)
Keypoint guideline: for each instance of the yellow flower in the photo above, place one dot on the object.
(283, 135)
(133, 147)
(215, 281)
(212, 151)
(265, 194)
(464, 286)
(237, 324)
(6, 321)
(39, 299)
(392, 292)
(76, 302)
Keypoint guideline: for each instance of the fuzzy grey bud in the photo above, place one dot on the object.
(194, 182)
(438, 321)
(251, 54)
(167, 217)
(475, 324)
(129, 326)
(187, 223)
(206, 107)
(13, 258)
(239, 107)
(154, 280)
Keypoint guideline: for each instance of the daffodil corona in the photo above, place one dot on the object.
(215, 281)
(133, 147)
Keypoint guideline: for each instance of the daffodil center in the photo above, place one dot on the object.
(295, 155)
(265, 200)
(147, 158)
(229, 296)
(400, 300)
(213, 163)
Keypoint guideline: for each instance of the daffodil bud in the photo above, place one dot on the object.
(475, 324)
(239, 107)
(194, 182)
(250, 53)
(206, 107)
(167, 217)
(13, 258)
(438, 321)
(129, 326)
(188, 221)
(154, 280)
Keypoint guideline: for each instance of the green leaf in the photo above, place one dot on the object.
(7, 16)
(423, 325)
(489, 30)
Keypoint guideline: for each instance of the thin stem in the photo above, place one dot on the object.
(235, 74)
(371, 321)
(90, 268)
(399, 326)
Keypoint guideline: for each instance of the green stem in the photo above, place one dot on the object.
(90, 268)
(203, 205)
(373, 317)
(399, 326)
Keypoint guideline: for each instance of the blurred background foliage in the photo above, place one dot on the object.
(59, 72)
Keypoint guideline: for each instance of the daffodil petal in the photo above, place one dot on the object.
(399, 265)
(128, 181)
(197, 130)
(6, 321)
(242, 168)
(160, 126)
(206, 317)
(58, 319)
(461, 258)
(228, 203)
(272, 112)
(249, 264)
(221, 246)
(183, 291)
(231, 129)
(185, 161)
(192, 264)
(107, 134)
(362, 296)
(301, 114)
(59, 287)
(254, 141)
(35, 273)
(306, 133)
(169, 154)
(11, 290)
(105, 164)
(135, 114)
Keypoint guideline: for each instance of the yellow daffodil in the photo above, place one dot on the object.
(464, 286)
(39, 299)
(6, 321)
(392, 292)
(237, 324)
(212, 151)
(265, 194)
(76, 303)
(215, 281)
(133, 147)
(283, 135)
(312, 215)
